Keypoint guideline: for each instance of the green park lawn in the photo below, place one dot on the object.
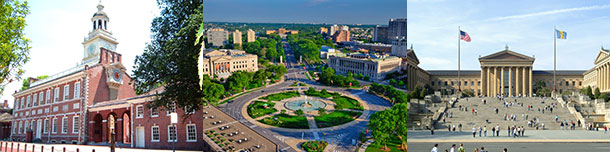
(286, 121)
(394, 141)
(344, 102)
(281, 96)
(321, 94)
(257, 109)
(335, 118)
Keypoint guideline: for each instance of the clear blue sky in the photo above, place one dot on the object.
(526, 26)
(305, 11)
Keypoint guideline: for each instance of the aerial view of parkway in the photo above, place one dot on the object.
(304, 76)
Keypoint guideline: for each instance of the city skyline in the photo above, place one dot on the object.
(527, 28)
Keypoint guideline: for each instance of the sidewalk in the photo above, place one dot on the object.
(69, 148)
(573, 136)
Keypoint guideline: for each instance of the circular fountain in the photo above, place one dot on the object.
(305, 104)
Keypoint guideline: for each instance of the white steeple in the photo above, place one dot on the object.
(99, 37)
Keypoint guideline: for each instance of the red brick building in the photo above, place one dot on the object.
(55, 109)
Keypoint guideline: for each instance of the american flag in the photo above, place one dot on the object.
(464, 36)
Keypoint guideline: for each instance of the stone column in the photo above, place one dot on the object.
(517, 91)
(524, 80)
(487, 84)
(495, 82)
(530, 81)
(482, 80)
(510, 81)
(502, 81)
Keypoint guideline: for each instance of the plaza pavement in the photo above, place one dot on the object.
(515, 147)
(70, 148)
(534, 136)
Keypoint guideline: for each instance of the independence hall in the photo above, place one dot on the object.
(95, 104)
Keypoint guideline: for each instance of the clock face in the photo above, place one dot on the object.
(107, 46)
(116, 75)
(90, 50)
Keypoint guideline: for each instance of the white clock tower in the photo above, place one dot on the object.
(99, 37)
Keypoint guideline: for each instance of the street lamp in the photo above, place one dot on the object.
(174, 121)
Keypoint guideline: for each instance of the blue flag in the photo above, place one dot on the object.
(561, 34)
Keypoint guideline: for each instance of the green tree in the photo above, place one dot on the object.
(367, 78)
(14, 46)
(321, 111)
(299, 112)
(589, 92)
(597, 93)
(392, 82)
(401, 83)
(170, 59)
(423, 92)
(26, 81)
(211, 91)
(382, 125)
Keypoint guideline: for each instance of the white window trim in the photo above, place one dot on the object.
(169, 134)
(187, 133)
(56, 95)
(53, 128)
(153, 115)
(152, 134)
(64, 123)
(35, 99)
(139, 111)
(48, 97)
(75, 129)
(45, 125)
(40, 98)
(77, 90)
(66, 91)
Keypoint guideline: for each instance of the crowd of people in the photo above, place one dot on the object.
(453, 148)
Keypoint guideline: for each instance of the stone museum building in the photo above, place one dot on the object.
(95, 103)
(509, 73)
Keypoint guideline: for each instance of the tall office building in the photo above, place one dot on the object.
(333, 29)
(218, 37)
(397, 28)
(380, 34)
(237, 37)
(251, 35)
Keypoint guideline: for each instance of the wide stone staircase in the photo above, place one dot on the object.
(519, 107)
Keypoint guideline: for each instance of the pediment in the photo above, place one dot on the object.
(603, 54)
(506, 55)
(411, 55)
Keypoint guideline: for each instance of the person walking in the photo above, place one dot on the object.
(498, 130)
(483, 149)
(522, 131)
(461, 149)
(434, 149)
(508, 131)
(485, 130)
(480, 130)
(474, 132)
(493, 131)
(605, 129)
(476, 150)
(460, 127)
(452, 148)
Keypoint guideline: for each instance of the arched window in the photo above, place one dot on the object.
(99, 24)
(93, 25)
(105, 27)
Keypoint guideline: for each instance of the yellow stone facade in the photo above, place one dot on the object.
(511, 74)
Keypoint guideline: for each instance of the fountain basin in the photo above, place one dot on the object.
(305, 104)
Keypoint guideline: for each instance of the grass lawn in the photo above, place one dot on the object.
(394, 141)
(335, 118)
(314, 146)
(286, 121)
(321, 94)
(257, 109)
(281, 96)
(344, 102)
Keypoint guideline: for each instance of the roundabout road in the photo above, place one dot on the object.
(343, 138)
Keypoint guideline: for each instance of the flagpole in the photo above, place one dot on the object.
(554, 60)
(459, 79)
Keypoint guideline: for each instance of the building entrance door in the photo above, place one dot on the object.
(140, 137)
(38, 129)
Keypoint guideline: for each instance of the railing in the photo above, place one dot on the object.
(7, 146)
(71, 70)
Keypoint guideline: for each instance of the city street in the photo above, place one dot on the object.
(344, 138)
